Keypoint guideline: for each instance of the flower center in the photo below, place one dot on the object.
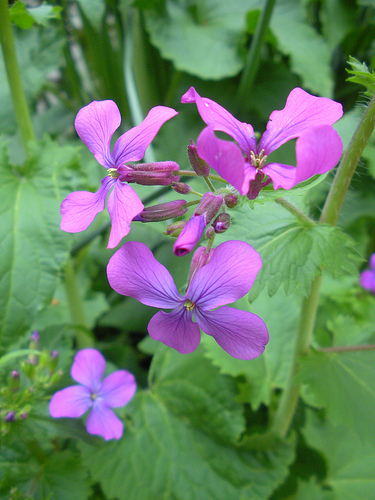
(93, 396)
(112, 172)
(189, 305)
(258, 161)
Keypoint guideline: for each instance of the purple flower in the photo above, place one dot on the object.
(229, 275)
(305, 117)
(115, 390)
(95, 125)
(367, 278)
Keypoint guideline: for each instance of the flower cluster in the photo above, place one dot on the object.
(218, 276)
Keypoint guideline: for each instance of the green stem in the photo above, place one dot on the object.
(14, 75)
(297, 213)
(209, 183)
(253, 56)
(190, 173)
(347, 348)
(289, 399)
(84, 339)
(191, 203)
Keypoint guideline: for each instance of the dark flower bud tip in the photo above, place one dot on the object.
(200, 166)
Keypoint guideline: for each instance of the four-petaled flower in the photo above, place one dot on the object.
(367, 278)
(116, 390)
(229, 275)
(305, 117)
(95, 125)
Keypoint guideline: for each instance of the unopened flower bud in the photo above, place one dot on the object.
(34, 337)
(181, 188)
(200, 166)
(231, 200)
(163, 211)
(175, 229)
(14, 381)
(221, 223)
(209, 206)
(10, 416)
(210, 233)
(150, 174)
(29, 369)
(52, 362)
(23, 416)
(200, 258)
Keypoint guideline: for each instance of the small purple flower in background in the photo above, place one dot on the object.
(228, 276)
(95, 125)
(305, 117)
(116, 390)
(367, 278)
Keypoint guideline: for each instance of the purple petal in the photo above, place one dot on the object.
(123, 205)
(104, 422)
(241, 334)
(227, 277)
(219, 118)
(190, 235)
(224, 157)
(95, 125)
(134, 271)
(302, 112)
(282, 175)
(367, 280)
(117, 389)
(72, 402)
(372, 261)
(317, 150)
(132, 145)
(88, 368)
(175, 329)
(79, 209)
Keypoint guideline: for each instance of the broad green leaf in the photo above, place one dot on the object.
(203, 38)
(350, 461)
(292, 253)
(270, 370)
(297, 38)
(33, 247)
(311, 490)
(344, 384)
(338, 19)
(25, 17)
(165, 456)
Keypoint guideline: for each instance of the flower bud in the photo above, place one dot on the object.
(181, 188)
(29, 369)
(210, 233)
(209, 206)
(200, 258)
(10, 416)
(34, 337)
(150, 174)
(221, 223)
(190, 235)
(231, 200)
(200, 166)
(14, 381)
(163, 211)
(175, 229)
(52, 362)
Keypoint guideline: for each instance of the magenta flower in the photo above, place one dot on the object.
(116, 390)
(95, 125)
(367, 278)
(229, 275)
(305, 117)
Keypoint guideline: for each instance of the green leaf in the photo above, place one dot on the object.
(20, 16)
(344, 384)
(270, 370)
(33, 246)
(94, 11)
(202, 38)
(362, 75)
(25, 17)
(311, 490)
(162, 455)
(350, 461)
(296, 38)
(292, 253)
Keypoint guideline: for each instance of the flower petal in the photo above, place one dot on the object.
(219, 118)
(302, 111)
(367, 280)
(175, 329)
(123, 205)
(227, 277)
(117, 389)
(104, 422)
(134, 271)
(95, 125)
(79, 209)
(72, 402)
(372, 261)
(282, 175)
(317, 150)
(190, 235)
(88, 368)
(224, 157)
(241, 334)
(132, 145)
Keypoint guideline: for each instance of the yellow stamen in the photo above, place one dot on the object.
(189, 305)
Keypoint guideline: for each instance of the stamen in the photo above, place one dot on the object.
(189, 305)
(93, 396)
(112, 172)
(258, 161)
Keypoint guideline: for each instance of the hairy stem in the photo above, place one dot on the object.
(289, 399)
(14, 75)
